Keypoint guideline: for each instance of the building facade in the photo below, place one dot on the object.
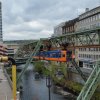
(13, 45)
(3, 49)
(58, 29)
(1, 22)
(89, 20)
(69, 26)
(87, 56)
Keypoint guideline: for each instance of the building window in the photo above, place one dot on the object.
(90, 19)
(96, 56)
(83, 55)
(89, 49)
(89, 56)
(84, 49)
(95, 17)
(96, 48)
(99, 16)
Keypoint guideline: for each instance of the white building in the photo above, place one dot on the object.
(13, 45)
(89, 20)
(58, 29)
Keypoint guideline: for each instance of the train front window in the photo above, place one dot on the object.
(59, 55)
(69, 55)
(63, 55)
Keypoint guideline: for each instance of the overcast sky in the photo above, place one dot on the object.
(34, 19)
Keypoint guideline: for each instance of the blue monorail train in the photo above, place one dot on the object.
(55, 55)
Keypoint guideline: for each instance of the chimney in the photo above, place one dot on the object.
(87, 9)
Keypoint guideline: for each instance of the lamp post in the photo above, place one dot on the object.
(48, 84)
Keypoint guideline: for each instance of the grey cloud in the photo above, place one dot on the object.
(47, 12)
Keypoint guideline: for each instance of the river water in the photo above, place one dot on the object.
(36, 89)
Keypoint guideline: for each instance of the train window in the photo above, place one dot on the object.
(69, 55)
(63, 55)
(54, 55)
(59, 55)
(51, 55)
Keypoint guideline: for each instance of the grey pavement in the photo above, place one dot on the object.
(5, 90)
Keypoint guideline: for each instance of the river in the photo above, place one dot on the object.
(36, 89)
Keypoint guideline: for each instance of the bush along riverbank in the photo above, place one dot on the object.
(40, 68)
(59, 75)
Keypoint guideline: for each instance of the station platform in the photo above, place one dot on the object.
(5, 90)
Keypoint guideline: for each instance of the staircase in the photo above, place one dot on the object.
(91, 84)
(37, 47)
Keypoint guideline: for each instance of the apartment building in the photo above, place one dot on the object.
(89, 20)
(0, 21)
(3, 49)
(13, 45)
(69, 26)
(58, 29)
(87, 56)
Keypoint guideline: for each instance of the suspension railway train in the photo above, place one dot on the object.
(55, 55)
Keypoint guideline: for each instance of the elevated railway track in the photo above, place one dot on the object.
(83, 39)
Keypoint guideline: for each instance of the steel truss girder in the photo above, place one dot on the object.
(25, 49)
(78, 39)
(33, 53)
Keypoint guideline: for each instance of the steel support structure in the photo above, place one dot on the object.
(82, 38)
(87, 38)
(14, 89)
(91, 84)
(33, 53)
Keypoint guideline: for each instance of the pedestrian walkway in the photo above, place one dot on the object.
(5, 90)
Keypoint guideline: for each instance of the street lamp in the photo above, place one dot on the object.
(48, 84)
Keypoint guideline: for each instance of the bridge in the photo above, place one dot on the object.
(70, 41)
(20, 61)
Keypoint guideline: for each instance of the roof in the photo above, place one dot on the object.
(18, 41)
(92, 10)
(71, 22)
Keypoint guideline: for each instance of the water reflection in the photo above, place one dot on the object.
(36, 89)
